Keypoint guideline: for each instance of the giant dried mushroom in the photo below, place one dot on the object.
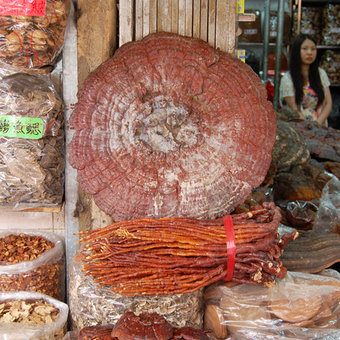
(170, 126)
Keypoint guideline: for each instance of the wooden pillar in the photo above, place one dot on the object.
(96, 42)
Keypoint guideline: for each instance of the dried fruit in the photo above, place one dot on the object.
(32, 263)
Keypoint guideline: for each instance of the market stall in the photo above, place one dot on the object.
(191, 209)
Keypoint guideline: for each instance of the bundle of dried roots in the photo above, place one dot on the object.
(179, 255)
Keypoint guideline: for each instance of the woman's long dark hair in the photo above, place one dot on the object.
(295, 71)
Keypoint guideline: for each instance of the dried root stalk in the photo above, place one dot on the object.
(179, 255)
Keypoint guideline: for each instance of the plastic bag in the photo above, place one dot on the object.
(16, 330)
(330, 30)
(311, 19)
(31, 142)
(301, 214)
(328, 216)
(72, 335)
(330, 62)
(33, 43)
(91, 304)
(45, 274)
(300, 306)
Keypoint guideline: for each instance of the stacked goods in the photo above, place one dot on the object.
(31, 142)
(92, 304)
(32, 261)
(273, 26)
(331, 24)
(32, 43)
(32, 316)
(251, 31)
(170, 126)
(300, 306)
(330, 62)
(181, 255)
(310, 22)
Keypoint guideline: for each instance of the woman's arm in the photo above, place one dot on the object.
(290, 101)
(326, 108)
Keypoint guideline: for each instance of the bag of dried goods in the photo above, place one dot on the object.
(310, 23)
(31, 142)
(92, 304)
(300, 306)
(31, 316)
(330, 62)
(32, 261)
(31, 42)
(331, 22)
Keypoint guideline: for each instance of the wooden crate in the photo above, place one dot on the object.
(213, 21)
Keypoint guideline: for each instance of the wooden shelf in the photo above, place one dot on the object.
(32, 208)
(246, 17)
(253, 44)
(328, 47)
(320, 2)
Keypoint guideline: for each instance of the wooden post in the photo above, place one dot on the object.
(174, 16)
(204, 20)
(96, 39)
(212, 22)
(126, 20)
(164, 15)
(196, 29)
(226, 25)
(139, 20)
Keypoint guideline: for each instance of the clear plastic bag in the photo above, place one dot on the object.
(91, 304)
(72, 335)
(16, 330)
(328, 215)
(330, 30)
(300, 306)
(31, 142)
(45, 274)
(33, 43)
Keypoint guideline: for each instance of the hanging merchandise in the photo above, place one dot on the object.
(31, 142)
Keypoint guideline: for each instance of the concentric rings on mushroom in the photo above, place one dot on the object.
(170, 126)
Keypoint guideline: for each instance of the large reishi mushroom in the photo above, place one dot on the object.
(170, 126)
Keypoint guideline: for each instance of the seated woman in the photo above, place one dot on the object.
(305, 87)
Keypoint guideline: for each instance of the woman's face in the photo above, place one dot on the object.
(308, 52)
